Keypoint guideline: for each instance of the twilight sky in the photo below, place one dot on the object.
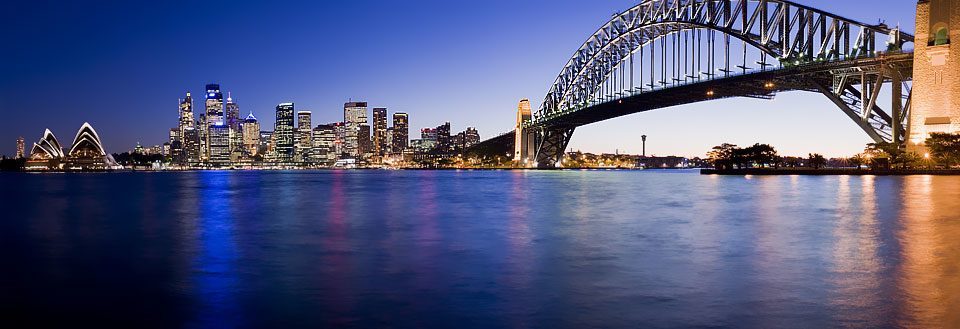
(122, 65)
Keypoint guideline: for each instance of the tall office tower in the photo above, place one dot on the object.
(388, 141)
(20, 146)
(401, 131)
(936, 73)
(283, 133)
(444, 143)
(379, 131)
(265, 149)
(219, 144)
(234, 124)
(324, 139)
(186, 114)
(339, 144)
(251, 135)
(214, 112)
(305, 132)
(202, 130)
(471, 137)
(191, 145)
(364, 142)
(354, 115)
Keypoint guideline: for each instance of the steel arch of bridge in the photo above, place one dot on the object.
(785, 36)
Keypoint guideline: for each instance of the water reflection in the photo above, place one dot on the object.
(215, 273)
(929, 274)
(485, 249)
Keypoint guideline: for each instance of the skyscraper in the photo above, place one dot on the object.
(219, 139)
(388, 143)
(354, 115)
(190, 141)
(187, 122)
(379, 131)
(340, 135)
(471, 137)
(251, 135)
(20, 146)
(186, 114)
(214, 112)
(305, 132)
(234, 124)
(283, 132)
(364, 142)
(444, 142)
(324, 138)
(401, 131)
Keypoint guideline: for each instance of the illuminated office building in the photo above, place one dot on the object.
(379, 131)
(354, 116)
(283, 133)
(251, 135)
(401, 131)
(214, 117)
(304, 131)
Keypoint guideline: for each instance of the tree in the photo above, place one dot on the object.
(722, 156)
(817, 160)
(761, 154)
(857, 160)
(944, 148)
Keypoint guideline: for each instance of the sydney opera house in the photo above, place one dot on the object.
(85, 153)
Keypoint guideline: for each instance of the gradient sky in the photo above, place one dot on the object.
(122, 65)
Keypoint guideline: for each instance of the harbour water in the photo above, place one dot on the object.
(479, 249)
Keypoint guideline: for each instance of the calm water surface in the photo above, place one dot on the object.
(479, 249)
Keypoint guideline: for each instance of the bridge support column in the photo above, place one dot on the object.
(551, 143)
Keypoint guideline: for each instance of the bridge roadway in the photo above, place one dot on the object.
(835, 80)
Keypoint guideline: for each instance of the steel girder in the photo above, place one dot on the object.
(781, 29)
(550, 144)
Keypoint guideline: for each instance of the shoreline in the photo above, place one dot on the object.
(830, 172)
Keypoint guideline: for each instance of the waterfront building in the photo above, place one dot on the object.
(379, 131)
(86, 151)
(265, 149)
(46, 154)
(428, 134)
(202, 129)
(219, 139)
(339, 146)
(363, 140)
(251, 135)
(324, 141)
(20, 145)
(283, 133)
(936, 73)
(388, 141)
(354, 115)
(191, 145)
(186, 114)
(423, 145)
(401, 131)
(444, 142)
(304, 133)
(234, 124)
(471, 137)
(214, 117)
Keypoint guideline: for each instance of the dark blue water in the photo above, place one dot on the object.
(478, 249)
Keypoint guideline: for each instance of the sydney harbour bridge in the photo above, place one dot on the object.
(664, 53)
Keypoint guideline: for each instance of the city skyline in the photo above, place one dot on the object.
(101, 86)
